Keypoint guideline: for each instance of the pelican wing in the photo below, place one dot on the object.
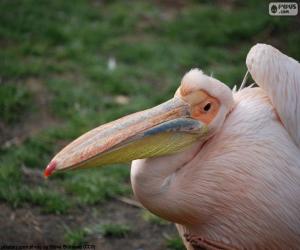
(279, 76)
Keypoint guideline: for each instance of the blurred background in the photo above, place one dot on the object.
(69, 66)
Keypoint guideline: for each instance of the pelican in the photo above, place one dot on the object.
(223, 165)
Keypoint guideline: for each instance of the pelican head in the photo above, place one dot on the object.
(196, 112)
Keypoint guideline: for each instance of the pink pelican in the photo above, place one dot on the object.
(223, 165)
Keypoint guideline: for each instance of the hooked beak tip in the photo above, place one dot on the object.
(50, 169)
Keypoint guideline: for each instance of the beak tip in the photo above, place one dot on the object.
(50, 169)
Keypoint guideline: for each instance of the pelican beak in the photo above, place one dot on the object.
(165, 129)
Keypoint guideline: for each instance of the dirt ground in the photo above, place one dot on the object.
(34, 228)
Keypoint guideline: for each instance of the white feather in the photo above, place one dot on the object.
(279, 76)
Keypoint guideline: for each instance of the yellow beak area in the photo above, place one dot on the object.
(162, 130)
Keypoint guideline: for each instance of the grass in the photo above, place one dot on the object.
(109, 230)
(75, 237)
(174, 243)
(15, 100)
(97, 186)
(65, 47)
(16, 194)
(48, 201)
(115, 230)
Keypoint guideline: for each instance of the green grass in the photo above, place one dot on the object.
(109, 230)
(48, 201)
(15, 100)
(51, 202)
(115, 230)
(175, 243)
(95, 186)
(16, 192)
(65, 47)
(75, 237)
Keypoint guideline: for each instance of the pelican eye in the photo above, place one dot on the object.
(207, 107)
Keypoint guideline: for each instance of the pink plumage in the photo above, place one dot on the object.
(241, 189)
